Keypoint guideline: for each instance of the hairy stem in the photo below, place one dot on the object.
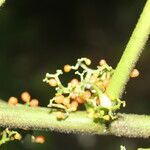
(28, 118)
(131, 54)
(23, 117)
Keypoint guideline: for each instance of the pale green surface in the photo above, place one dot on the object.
(2, 2)
(131, 125)
(131, 54)
(23, 117)
(41, 119)
(143, 149)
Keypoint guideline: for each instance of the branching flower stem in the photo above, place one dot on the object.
(131, 54)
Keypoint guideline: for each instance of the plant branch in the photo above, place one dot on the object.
(27, 118)
(1, 2)
(128, 125)
(131, 54)
(24, 117)
(124, 148)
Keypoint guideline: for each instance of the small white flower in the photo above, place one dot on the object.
(93, 91)
(105, 101)
(88, 86)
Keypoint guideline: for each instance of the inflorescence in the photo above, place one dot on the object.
(26, 99)
(88, 92)
(9, 135)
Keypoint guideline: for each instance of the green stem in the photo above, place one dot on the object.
(2, 2)
(23, 117)
(131, 54)
(131, 125)
(143, 149)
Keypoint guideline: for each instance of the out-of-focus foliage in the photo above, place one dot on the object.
(38, 37)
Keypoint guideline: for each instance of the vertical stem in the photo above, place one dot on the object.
(131, 54)
(2, 2)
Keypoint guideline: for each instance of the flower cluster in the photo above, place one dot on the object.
(9, 135)
(26, 98)
(87, 92)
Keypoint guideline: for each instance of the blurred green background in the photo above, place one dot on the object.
(41, 36)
